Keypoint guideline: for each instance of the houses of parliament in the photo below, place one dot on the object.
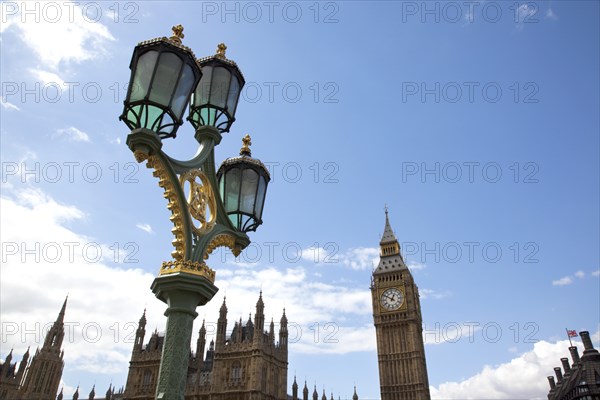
(251, 363)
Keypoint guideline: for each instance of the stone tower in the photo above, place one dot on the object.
(44, 372)
(398, 325)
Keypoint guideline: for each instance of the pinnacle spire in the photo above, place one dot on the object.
(389, 250)
(61, 315)
(388, 233)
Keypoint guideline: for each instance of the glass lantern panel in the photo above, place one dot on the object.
(221, 183)
(234, 92)
(234, 219)
(260, 197)
(143, 74)
(203, 89)
(219, 87)
(232, 189)
(183, 89)
(165, 79)
(208, 116)
(248, 193)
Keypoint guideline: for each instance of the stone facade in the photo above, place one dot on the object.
(39, 379)
(250, 364)
(398, 325)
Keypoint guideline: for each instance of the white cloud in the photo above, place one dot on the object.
(596, 272)
(73, 134)
(9, 106)
(360, 258)
(432, 294)
(580, 274)
(61, 33)
(522, 377)
(40, 266)
(415, 266)
(48, 78)
(145, 227)
(567, 280)
(99, 326)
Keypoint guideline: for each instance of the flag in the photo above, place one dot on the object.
(571, 333)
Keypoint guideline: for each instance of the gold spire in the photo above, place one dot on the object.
(221, 48)
(177, 33)
(245, 150)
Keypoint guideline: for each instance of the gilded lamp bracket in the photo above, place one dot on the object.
(199, 222)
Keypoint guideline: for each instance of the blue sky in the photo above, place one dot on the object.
(477, 126)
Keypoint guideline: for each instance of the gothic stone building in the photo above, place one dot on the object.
(580, 380)
(398, 325)
(248, 365)
(39, 379)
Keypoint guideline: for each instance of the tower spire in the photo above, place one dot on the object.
(389, 250)
(61, 315)
(388, 233)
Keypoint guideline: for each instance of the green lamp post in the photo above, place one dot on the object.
(207, 211)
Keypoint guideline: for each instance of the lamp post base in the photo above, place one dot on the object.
(182, 292)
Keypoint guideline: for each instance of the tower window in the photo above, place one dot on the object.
(147, 377)
(236, 373)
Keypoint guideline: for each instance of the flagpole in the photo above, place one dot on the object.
(569, 336)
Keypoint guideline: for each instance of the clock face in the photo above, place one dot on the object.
(392, 299)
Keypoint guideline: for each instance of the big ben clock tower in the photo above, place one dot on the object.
(398, 325)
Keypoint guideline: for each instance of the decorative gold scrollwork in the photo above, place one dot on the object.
(160, 171)
(202, 204)
(192, 267)
(222, 239)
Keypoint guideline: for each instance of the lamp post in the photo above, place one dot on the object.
(207, 211)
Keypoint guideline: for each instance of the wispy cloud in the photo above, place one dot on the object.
(433, 294)
(567, 280)
(47, 78)
(416, 266)
(9, 106)
(145, 227)
(73, 134)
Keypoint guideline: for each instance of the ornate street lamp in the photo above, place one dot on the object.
(215, 100)
(164, 74)
(243, 184)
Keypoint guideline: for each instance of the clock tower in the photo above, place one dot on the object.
(398, 325)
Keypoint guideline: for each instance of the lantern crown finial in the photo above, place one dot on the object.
(177, 33)
(245, 150)
(221, 48)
